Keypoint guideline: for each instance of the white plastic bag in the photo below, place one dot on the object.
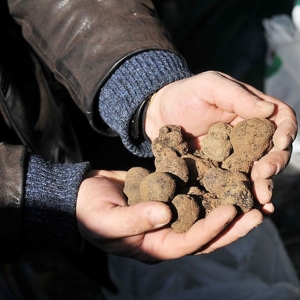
(283, 70)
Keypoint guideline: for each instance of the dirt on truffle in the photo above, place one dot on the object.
(194, 184)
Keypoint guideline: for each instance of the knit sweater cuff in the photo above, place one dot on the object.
(50, 202)
(136, 79)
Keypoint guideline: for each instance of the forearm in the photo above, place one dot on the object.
(49, 206)
(136, 79)
(83, 43)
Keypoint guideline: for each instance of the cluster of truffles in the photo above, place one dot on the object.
(193, 184)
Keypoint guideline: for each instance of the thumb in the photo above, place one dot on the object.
(138, 218)
(153, 214)
(246, 101)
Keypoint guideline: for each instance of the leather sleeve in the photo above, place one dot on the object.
(83, 42)
(12, 162)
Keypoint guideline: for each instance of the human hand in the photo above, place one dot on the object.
(210, 97)
(139, 230)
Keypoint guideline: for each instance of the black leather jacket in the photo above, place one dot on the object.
(52, 50)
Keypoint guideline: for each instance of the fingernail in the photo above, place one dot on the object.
(263, 104)
(274, 169)
(159, 217)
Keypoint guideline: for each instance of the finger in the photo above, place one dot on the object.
(242, 99)
(268, 208)
(237, 229)
(270, 164)
(168, 244)
(209, 227)
(262, 189)
(285, 119)
(124, 221)
(285, 134)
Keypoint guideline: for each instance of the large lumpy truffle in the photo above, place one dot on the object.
(168, 161)
(170, 136)
(250, 140)
(230, 187)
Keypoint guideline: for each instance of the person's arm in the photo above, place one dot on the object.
(49, 217)
(119, 49)
(84, 42)
(37, 202)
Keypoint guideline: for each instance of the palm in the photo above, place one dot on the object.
(197, 102)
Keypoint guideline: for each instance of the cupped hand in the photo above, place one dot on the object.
(140, 231)
(197, 102)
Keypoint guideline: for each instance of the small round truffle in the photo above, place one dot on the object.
(186, 212)
(157, 186)
(216, 144)
(132, 184)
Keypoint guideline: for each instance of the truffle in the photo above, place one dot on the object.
(216, 145)
(250, 140)
(185, 212)
(133, 178)
(157, 186)
(195, 183)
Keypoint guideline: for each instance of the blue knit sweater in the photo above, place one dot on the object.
(51, 189)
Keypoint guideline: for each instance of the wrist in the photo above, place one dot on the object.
(137, 125)
(153, 117)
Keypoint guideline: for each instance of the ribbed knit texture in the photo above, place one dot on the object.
(50, 202)
(136, 79)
